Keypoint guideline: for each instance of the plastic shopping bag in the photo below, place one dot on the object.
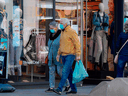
(79, 72)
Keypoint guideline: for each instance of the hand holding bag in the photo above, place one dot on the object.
(117, 55)
(79, 72)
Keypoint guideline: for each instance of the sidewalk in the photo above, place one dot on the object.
(82, 91)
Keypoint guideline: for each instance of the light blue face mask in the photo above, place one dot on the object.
(61, 26)
(52, 31)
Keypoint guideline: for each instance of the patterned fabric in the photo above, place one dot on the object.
(11, 29)
(3, 34)
(40, 42)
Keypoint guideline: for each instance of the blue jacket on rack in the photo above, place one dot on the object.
(97, 20)
(121, 40)
(53, 45)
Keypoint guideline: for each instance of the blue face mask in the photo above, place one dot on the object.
(52, 31)
(61, 26)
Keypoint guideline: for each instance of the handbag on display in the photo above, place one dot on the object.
(79, 72)
(117, 55)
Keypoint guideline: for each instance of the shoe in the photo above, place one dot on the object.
(19, 79)
(57, 91)
(71, 92)
(66, 89)
(50, 90)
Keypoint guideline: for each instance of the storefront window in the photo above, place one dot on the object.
(93, 7)
(27, 27)
(28, 31)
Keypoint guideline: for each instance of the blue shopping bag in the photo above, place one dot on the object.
(79, 72)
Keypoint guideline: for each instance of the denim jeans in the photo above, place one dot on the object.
(15, 53)
(122, 60)
(52, 75)
(67, 72)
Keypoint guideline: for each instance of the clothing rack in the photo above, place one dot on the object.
(37, 31)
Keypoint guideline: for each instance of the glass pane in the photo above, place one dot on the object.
(93, 57)
(28, 22)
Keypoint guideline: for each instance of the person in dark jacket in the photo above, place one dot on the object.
(53, 44)
(112, 38)
(123, 55)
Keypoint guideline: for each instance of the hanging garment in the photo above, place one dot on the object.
(31, 48)
(92, 47)
(40, 43)
(3, 39)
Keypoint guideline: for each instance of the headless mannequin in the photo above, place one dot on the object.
(101, 36)
(16, 50)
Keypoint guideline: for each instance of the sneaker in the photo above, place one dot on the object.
(57, 91)
(50, 90)
(71, 92)
(66, 89)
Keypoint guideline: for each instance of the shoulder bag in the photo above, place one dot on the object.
(117, 55)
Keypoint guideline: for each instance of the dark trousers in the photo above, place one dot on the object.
(122, 60)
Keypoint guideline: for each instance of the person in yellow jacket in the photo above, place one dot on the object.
(69, 49)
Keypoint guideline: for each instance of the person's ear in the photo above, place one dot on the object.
(56, 29)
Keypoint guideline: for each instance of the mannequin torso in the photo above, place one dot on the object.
(16, 22)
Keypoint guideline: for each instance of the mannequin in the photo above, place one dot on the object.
(101, 21)
(2, 4)
(16, 41)
(3, 35)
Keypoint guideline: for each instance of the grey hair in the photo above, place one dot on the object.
(126, 23)
(65, 20)
(54, 24)
(126, 27)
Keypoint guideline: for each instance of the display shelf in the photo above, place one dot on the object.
(45, 18)
(44, 4)
(69, 19)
